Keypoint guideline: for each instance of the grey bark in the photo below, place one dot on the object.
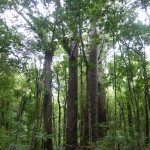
(101, 103)
(93, 70)
(48, 100)
(72, 103)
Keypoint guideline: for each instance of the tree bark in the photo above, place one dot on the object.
(147, 98)
(86, 117)
(72, 103)
(130, 118)
(81, 100)
(94, 86)
(146, 121)
(54, 124)
(48, 100)
(101, 105)
(137, 119)
(39, 90)
(86, 136)
(59, 117)
(146, 80)
(65, 102)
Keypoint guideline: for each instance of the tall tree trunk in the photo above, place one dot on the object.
(121, 104)
(86, 117)
(39, 90)
(19, 118)
(48, 100)
(72, 103)
(54, 124)
(129, 84)
(64, 126)
(142, 56)
(146, 121)
(86, 137)
(146, 80)
(147, 98)
(59, 117)
(101, 104)
(81, 100)
(137, 119)
(65, 102)
(130, 121)
(94, 86)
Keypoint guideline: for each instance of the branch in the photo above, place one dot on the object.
(54, 29)
(75, 48)
(102, 48)
(82, 44)
(29, 23)
(127, 46)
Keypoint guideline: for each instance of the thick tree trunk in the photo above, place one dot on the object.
(86, 137)
(94, 86)
(48, 100)
(101, 105)
(72, 104)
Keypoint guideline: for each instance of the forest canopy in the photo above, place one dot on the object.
(74, 74)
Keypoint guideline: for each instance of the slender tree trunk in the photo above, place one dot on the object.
(65, 102)
(147, 98)
(72, 104)
(137, 119)
(107, 109)
(130, 118)
(48, 100)
(146, 80)
(115, 88)
(121, 104)
(144, 73)
(64, 127)
(19, 118)
(81, 101)
(129, 85)
(146, 121)
(54, 124)
(115, 82)
(59, 117)
(39, 90)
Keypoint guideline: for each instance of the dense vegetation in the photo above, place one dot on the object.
(74, 74)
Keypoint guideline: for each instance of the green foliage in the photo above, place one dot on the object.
(53, 30)
(43, 136)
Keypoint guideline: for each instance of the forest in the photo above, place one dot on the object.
(74, 74)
